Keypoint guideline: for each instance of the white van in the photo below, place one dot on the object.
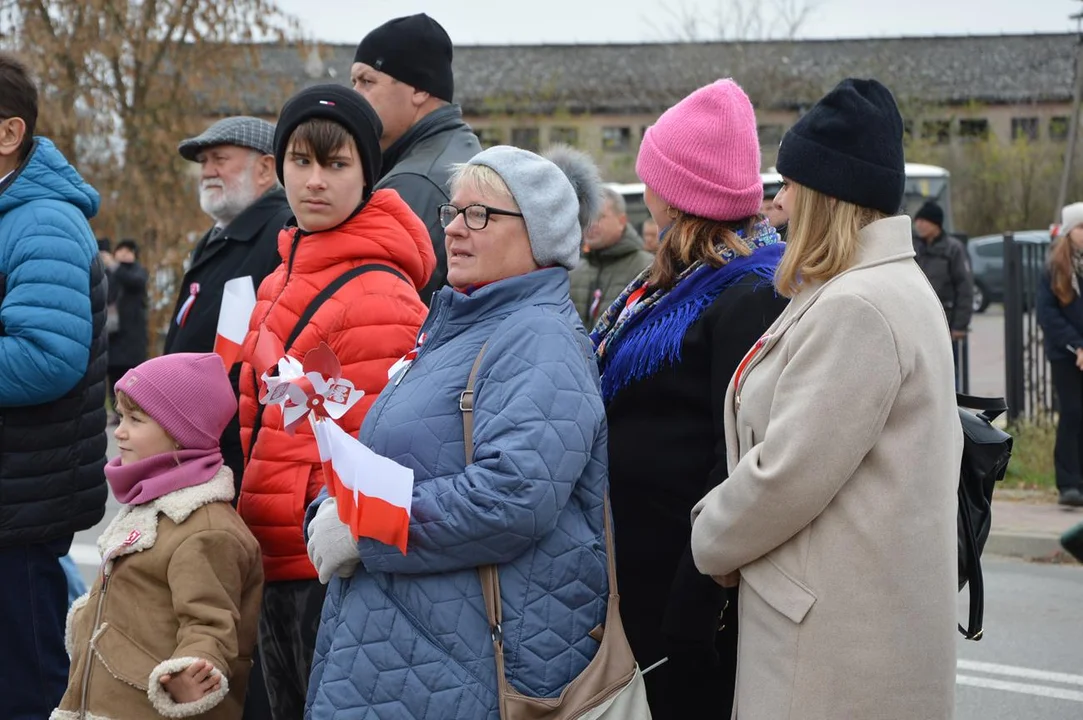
(923, 182)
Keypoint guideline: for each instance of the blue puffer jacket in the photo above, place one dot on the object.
(46, 250)
(407, 637)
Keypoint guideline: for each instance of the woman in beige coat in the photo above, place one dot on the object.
(838, 518)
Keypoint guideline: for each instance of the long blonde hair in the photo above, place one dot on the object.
(822, 238)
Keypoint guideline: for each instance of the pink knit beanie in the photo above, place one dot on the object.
(188, 394)
(703, 154)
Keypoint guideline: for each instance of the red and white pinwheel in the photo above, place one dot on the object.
(314, 386)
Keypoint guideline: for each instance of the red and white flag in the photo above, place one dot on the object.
(373, 493)
(238, 302)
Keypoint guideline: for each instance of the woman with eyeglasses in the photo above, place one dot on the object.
(407, 635)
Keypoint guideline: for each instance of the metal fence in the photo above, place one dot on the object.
(1029, 390)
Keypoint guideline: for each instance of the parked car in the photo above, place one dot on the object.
(987, 263)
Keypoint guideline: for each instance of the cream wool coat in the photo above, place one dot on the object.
(844, 448)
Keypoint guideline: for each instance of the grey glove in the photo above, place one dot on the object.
(331, 548)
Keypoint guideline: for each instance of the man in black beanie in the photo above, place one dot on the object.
(944, 261)
(403, 68)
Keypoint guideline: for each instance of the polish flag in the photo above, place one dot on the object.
(238, 302)
(373, 493)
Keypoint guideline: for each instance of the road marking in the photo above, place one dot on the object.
(84, 554)
(1019, 672)
(1023, 688)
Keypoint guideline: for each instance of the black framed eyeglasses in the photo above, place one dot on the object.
(475, 215)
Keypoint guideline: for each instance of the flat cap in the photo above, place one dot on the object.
(242, 131)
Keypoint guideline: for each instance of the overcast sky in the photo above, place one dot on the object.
(631, 21)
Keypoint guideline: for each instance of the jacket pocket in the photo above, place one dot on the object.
(123, 657)
(787, 595)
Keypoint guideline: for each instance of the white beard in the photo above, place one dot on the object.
(225, 201)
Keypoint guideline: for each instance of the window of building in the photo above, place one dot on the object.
(489, 136)
(566, 135)
(937, 131)
(1058, 127)
(1025, 128)
(616, 139)
(526, 138)
(974, 129)
(770, 135)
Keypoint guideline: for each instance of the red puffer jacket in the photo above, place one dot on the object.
(370, 323)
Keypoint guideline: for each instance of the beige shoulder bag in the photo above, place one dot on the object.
(611, 687)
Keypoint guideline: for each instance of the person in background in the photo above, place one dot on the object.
(649, 232)
(52, 394)
(838, 519)
(128, 295)
(169, 626)
(774, 213)
(403, 68)
(613, 257)
(1060, 314)
(327, 155)
(944, 261)
(238, 190)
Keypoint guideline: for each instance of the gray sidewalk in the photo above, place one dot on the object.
(1029, 526)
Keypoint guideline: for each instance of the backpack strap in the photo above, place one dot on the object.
(990, 407)
(306, 317)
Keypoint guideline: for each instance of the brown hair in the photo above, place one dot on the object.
(691, 238)
(18, 98)
(322, 138)
(1060, 268)
(822, 239)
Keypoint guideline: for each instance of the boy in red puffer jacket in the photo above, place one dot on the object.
(327, 153)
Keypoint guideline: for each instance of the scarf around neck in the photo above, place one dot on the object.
(634, 344)
(1077, 268)
(150, 478)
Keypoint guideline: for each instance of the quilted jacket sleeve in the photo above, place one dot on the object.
(537, 413)
(45, 313)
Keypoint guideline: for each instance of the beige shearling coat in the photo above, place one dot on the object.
(182, 580)
(844, 448)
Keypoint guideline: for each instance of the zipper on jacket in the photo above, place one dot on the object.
(106, 569)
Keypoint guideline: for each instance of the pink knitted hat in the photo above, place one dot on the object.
(188, 394)
(703, 154)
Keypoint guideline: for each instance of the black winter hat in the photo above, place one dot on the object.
(343, 106)
(932, 212)
(849, 146)
(415, 50)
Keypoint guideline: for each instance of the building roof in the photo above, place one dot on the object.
(648, 78)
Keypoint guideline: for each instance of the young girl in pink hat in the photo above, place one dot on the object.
(169, 626)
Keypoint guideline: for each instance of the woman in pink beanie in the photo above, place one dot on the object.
(667, 349)
(169, 626)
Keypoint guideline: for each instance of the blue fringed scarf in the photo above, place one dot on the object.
(635, 347)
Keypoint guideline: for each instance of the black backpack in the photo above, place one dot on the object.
(986, 451)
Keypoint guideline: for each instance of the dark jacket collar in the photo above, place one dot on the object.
(448, 117)
(250, 223)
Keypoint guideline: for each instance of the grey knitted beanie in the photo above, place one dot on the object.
(559, 196)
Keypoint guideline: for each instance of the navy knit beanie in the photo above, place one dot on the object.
(415, 50)
(932, 212)
(849, 146)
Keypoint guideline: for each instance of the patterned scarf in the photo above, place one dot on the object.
(633, 343)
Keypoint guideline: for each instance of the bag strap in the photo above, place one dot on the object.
(973, 630)
(306, 317)
(990, 407)
(327, 292)
(490, 578)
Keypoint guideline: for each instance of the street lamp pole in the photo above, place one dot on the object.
(1073, 124)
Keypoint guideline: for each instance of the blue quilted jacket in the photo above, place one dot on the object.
(407, 637)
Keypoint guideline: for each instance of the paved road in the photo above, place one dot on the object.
(987, 352)
(1030, 663)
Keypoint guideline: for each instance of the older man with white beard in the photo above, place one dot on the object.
(239, 190)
